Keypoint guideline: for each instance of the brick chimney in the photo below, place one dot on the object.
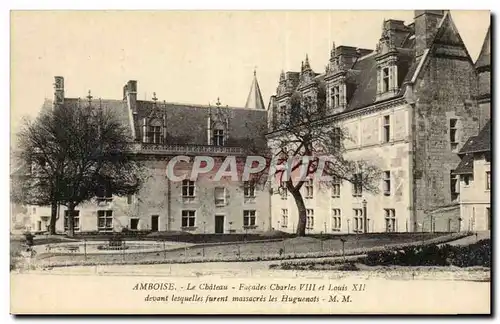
(58, 90)
(426, 25)
(130, 95)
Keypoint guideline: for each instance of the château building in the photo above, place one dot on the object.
(412, 106)
(160, 131)
(408, 107)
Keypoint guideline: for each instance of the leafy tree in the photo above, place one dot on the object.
(310, 146)
(73, 152)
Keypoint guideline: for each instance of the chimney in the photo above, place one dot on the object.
(58, 90)
(426, 25)
(130, 94)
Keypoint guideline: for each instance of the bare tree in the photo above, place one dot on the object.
(74, 152)
(308, 145)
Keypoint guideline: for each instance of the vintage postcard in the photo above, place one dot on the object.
(250, 162)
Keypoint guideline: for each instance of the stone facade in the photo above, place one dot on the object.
(421, 83)
(162, 131)
(408, 107)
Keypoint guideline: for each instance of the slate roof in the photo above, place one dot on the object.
(479, 143)
(118, 107)
(466, 165)
(361, 78)
(254, 99)
(186, 123)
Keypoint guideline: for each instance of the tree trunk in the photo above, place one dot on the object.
(71, 220)
(53, 218)
(301, 207)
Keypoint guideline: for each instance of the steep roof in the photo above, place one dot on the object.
(479, 143)
(187, 124)
(361, 77)
(117, 107)
(466, 165)
(484, 59)
(254, 99)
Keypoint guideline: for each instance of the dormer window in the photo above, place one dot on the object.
(154, 134)
(152, 131)
(335, 96)
(218, 137)
(385, 79)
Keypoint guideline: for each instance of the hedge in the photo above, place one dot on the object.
(232, 258)
(476, 254)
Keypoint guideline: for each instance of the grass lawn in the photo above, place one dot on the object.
(287, 247)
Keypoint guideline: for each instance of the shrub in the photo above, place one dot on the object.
(477, 254)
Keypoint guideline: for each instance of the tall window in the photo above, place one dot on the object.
(220, 196)
(154, 134)
(284, 217)
(357, 185)
(336, 187)
(488, 180)
(310, 219)
(390, 220)
(336, 220)
(488, 218)
(337, 138)
(188, 218)
(249, 218)
(453, 133)
(188, 189)
(336, 96)
(385, 79)
(76, 220)
(358, 220)
(249, 189)
(219, 137)
(387, 128)
(387, 183)
(454, 191)
(309, 189)
(105, 220)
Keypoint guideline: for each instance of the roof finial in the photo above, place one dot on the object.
(154, 97)
(89, 96)
(255, 71)
(306, 64)
(218, 102)
(282, 75)
(333, 52)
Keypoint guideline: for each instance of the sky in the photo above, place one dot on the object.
(188, 57)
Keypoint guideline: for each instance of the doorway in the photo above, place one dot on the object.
(219, 224)
(155, 219)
